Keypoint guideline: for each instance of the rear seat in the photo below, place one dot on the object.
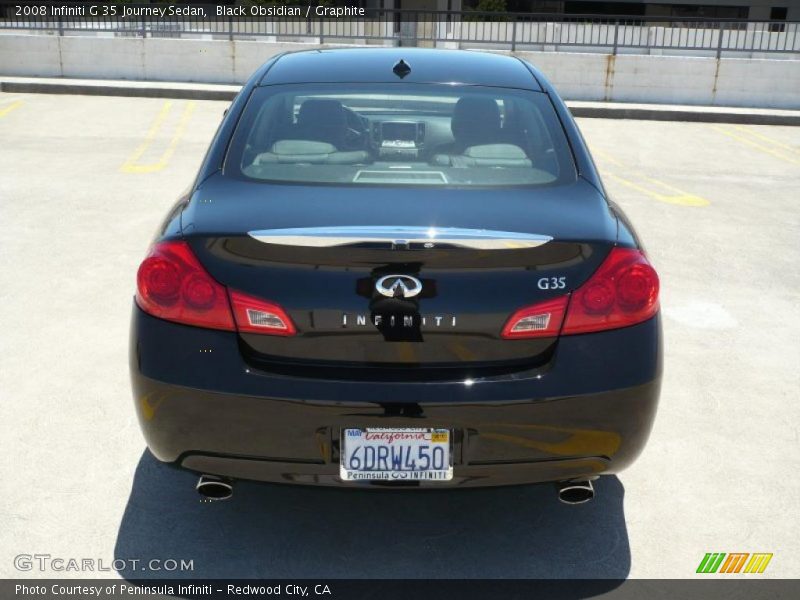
(486, 155)
(310, 153)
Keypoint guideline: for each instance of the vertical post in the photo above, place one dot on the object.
(514, 33)
(616, 31)
(719, 41)
(143, 29)
(60, 25)
(321, 31)
(230, 29)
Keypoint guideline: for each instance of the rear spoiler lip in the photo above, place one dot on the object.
(400, 237)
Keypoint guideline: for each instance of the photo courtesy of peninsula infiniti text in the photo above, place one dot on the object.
(397, 268)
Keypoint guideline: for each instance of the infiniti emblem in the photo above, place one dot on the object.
(398, 286)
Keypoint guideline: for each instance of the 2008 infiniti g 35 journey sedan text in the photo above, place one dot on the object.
(397, 267)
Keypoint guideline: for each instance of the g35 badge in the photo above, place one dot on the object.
(552, 283)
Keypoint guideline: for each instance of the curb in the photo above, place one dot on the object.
(739, 116)
(132, 91)
(596, 110)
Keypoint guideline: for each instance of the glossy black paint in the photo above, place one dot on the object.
(368, 65)
(586, 411)
(271, 408)
(317, 285)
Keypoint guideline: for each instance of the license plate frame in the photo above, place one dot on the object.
(404, 459)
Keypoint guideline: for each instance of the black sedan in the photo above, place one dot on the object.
(397, 268)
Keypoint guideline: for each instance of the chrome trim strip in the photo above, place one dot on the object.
(403, 237)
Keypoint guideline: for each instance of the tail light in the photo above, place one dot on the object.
(622, 292)
(172, 284)
(540, 320)
(254, 315)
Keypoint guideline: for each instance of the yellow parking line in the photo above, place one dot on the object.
(758, 146)
(607, 157)
(767, 139)
(179, 131)
(151, 134)
(678, 196)
(131, 165)
(10, 107)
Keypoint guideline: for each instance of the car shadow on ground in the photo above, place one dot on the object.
(280, 531)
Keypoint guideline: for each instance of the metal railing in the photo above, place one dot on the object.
(471, 29)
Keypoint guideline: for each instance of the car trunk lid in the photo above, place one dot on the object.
(329, 256)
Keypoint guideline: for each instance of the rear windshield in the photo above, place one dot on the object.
(400, 134)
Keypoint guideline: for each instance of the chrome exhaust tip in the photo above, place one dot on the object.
(575, 492)
(214, 488)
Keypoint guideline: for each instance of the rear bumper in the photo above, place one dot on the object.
(588, 412)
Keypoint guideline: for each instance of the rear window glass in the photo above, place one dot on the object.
(400, 134)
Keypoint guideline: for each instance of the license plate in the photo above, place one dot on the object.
(396, 455)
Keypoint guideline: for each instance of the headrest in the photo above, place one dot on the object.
(475, 118)
(321, 112)
(323, 120)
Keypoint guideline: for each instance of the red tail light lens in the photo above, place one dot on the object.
(172, 284)
(254, 315)
(540, 320)
(622, 292)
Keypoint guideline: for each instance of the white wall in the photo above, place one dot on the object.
(755, 83)
(37, 55)
(762, 83)
(148, 59)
